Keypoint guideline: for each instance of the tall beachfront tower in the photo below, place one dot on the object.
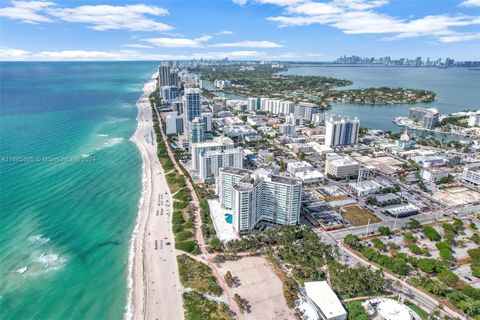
(192, 104)
(164, 76)
(259, 195)
(341, 131)
(197, 131)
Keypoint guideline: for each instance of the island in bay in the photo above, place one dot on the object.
(267, 81)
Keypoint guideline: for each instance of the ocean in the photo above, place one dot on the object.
(70, 179)
(69, 188)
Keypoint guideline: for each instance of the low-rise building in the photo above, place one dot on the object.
(402, 211)
(324, 300)
(387, 199)
(321, 149)
(471, 175)
(310, 177)
(431, 161)
(239, 131)
(299, 147)
(342, 167)
(364, 188)
(298, 166)
(434, 175)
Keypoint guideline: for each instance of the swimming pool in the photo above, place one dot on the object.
(229, 218)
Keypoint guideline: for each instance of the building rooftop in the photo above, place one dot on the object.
(237, 171)
(212, 143)
(324, 298)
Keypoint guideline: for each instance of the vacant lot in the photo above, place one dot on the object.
(357, 216)
(459, 195)
(386, 165)
(258, 284)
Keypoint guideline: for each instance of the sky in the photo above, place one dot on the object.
(302, 30)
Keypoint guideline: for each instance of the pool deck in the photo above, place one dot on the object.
(225, 230)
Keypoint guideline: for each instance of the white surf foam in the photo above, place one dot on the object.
(38, 239)
(131, 255)
(22, 270)
(109, 143)
(49, 261)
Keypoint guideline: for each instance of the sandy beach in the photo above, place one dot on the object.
(155, 289)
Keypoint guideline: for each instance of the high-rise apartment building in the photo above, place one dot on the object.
(174, 123)
(341, 131)
(428, 118)
(196, 131)
(167, 76)
(212, 161)
(168, 93)
(259, 195)
(217, 144)
(192, 103)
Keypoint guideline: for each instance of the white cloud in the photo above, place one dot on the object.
(226, 32)
(248, 44)
(136, 45)
(9, 54)
(27, 11)
(456, 37)
(357, 17)
(230, 55)
(240, 2)
(470, 3)
(108, 17)
(77, 55)
(136, 17)
(178, 42)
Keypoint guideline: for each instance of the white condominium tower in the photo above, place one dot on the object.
(212, 161)
(259, 195)
(209, 156)
(217, 144)
(341, 131)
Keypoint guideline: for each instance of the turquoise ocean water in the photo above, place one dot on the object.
(69, 188)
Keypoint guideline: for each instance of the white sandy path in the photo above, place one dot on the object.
(156, 292)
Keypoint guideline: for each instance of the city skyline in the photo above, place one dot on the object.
(283, 30)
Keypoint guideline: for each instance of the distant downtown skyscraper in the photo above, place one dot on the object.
(341, 131)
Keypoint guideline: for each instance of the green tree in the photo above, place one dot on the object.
(385, 231)
(229, 279)
(431, 233)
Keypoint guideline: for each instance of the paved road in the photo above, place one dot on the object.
(156, 290)
(418, 297)
(428, 217)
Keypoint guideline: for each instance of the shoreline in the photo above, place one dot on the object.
(153, 284)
